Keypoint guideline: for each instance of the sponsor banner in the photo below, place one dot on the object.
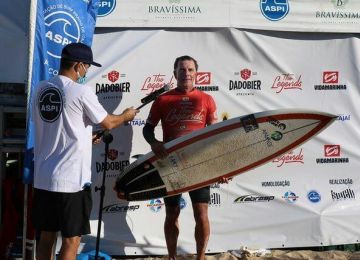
(285, 15)
(297, 189)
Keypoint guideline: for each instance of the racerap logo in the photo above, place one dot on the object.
(290, 157)
(286, 81)
(155, 82)
(330, 77)
(113, 76)
(245, 74)
(203, 78)
(332, 150)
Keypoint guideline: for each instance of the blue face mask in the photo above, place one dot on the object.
(81, 80)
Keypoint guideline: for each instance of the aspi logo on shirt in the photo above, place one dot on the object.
(106, 7)
(274, 10)
(50, 104)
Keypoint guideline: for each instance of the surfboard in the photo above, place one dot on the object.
(224, 149)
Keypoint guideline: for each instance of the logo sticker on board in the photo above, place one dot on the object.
(274, 10)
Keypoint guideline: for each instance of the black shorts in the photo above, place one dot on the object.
(201, 195)
(61, 211)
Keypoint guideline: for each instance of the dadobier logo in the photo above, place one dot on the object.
(155, 205)
(290, 157)
(114, 164)
(50, 104)
(244, 86)
(332, 153)
(106, 7)
(330, 81)
(274, 10)
(286, 81)
(63, 26)
(203, 82)
(155, 82)
(113, 89)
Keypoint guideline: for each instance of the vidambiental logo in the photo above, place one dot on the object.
(330, 81)
(332, 153)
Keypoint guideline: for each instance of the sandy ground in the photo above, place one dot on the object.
(272, 255)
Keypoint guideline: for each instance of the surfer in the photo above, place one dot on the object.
(181, 111)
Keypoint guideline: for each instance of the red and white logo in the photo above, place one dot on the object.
(113, 154)
(156, 81)
(203, 78)
(245, 74)
(332, 150)
(330, 77)
(113, 76)
(290, 157)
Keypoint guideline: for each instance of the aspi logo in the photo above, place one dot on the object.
(314, 196)
(61, 29)
(274, 10)
(50, 104)
(106, 7)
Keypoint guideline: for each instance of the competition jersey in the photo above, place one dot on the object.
(63, 113)
(181, 113)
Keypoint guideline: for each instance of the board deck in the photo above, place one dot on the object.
(221, 150)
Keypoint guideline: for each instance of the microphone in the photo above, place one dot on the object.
(152, 96)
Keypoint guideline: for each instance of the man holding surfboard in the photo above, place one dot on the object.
(181, 111)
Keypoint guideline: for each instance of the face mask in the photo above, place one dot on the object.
(81, 80)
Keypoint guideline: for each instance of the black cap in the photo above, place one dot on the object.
(78, 52)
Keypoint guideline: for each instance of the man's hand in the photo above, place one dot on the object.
(96, 139)
(224, 180)
(119, 193)
(159, 149)
(130, 113)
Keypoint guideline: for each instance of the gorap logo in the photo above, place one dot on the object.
(106, 7)
(62, 26)
(274, 10)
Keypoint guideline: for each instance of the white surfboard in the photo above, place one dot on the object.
(221, 150)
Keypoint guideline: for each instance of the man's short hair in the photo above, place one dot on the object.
(66, 64)
(183, 58)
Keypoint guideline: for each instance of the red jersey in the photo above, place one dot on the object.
(181, 113)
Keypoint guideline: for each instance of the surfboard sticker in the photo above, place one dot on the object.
(224, 149)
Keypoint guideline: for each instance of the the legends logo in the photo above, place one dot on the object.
(155, 82)
(290, 157)
(286, 81)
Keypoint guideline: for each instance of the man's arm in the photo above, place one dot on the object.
(113, 121)
(156, 146)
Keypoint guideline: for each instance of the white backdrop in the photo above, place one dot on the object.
(308, 70)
